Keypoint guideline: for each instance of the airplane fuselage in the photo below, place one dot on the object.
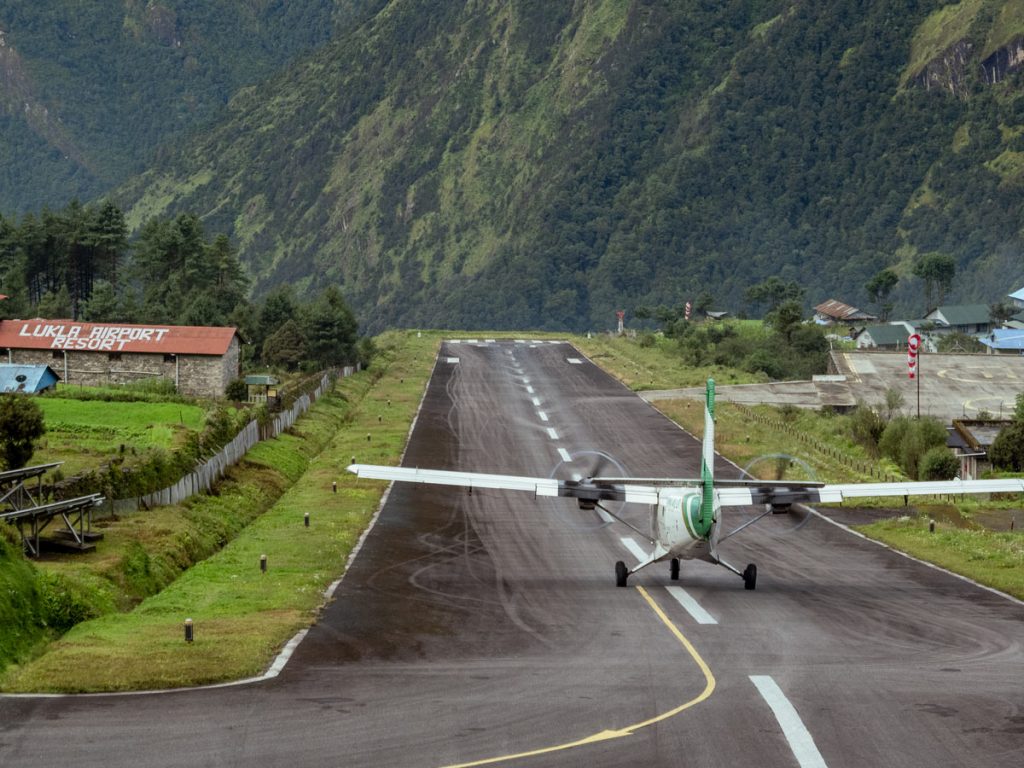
(677, 524)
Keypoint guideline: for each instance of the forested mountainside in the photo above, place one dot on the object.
(89, 90)
(524, 163)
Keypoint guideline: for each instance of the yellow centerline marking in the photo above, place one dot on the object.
(606, 735)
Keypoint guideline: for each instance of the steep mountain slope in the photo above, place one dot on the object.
(89, 90)
(526, 163)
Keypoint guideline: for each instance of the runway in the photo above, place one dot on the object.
(486, 628)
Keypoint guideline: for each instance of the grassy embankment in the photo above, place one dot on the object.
(654, 362)
(242, 616)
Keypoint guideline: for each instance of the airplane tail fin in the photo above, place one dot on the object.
(707, 463)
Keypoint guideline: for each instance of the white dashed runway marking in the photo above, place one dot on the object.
(634, 549)
(800, 740)
(691, 606)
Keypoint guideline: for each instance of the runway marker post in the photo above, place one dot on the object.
(188, 631)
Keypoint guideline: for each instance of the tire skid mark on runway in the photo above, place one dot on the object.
(933, 566)
(629, 730)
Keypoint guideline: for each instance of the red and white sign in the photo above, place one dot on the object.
(69, 335)
(913, 346)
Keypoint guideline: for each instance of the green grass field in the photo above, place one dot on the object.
(990, 558)
(86, 433)
(653, 362)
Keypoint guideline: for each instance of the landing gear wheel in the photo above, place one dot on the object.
(621, 574)
(673, 569)
(750, 577)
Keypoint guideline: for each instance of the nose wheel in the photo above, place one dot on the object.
(673, 569)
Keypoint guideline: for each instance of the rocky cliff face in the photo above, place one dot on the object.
(953, 68)
(948, 71)
(1004, 61)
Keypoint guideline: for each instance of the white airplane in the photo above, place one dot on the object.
(686, 514)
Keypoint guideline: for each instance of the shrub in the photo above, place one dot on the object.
(789, 412)
(64, 604)
(1007, 451)
(866, 427)
(237, 391)
(906, 441)
(894, 402)
(939, 463)
(21, 424)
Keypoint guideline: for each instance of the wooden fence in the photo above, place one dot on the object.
(809, 441)
(203, 477)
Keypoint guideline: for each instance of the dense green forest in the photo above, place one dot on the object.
(534, 164)
(89, 91)
(78, 263)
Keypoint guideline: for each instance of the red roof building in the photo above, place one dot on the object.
(833, 311)
(200, 360)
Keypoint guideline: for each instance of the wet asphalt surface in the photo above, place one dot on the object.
(477, 626)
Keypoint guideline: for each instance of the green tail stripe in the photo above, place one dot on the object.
(690, 518)
(707, 511)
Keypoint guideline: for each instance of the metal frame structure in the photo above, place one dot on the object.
(32, 518)
(12, 484)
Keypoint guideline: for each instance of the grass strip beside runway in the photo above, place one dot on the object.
(242, 617)
(987, 557)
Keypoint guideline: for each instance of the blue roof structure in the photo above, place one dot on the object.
(1004, 339)
(27, 378)
(1018, 295)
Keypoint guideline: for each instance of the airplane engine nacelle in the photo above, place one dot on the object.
(678, 519)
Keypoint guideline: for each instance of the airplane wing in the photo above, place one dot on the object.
(781, 494)
(588, 490)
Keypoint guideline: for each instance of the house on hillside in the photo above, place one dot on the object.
(832, 312)
(30, 379)
(1004, 341)
(891, 336)
(972, 319)
(1017, 321)
(201, 361)
(1017, 298)
(970, 440)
